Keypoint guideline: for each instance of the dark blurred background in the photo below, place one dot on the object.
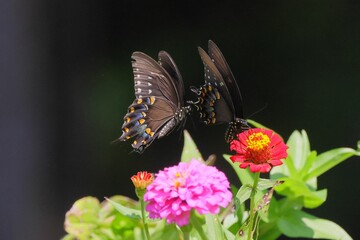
(66, 83)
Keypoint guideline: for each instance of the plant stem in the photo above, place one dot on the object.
(143, 216)
(252, 203)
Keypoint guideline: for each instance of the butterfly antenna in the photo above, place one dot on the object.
(260, 110)
(115, 141)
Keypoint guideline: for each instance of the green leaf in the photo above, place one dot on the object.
(312, 184)
(266, 183)
(230, 220)
(330, 159)
(190, 150)
(244, 193)
(308, 164)
(126, 211)
(229, 235)
(300, 224)
(262, 206)
(239, 215)
(269, 231)
(299, 148)
(95, 236)
(256, 124)
(82, 219)
(168, 231)
(281, 171)
(198, 225)
(107, 210)
(214, 228)
(244, 175)
(243, 231)
(294, 188)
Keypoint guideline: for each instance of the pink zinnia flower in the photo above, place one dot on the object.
(259, 148)
(178, 189)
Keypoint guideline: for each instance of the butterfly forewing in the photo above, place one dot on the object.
(214, 101)
(150, 79)
(213, 76)
(219, 60)
(169, 65)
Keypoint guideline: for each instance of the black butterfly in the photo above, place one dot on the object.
(219, 99)
(159, 104)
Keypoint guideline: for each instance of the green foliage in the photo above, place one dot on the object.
(299, 173)
(295, 183)
(88, 219)
(190, 150)
(296, 223)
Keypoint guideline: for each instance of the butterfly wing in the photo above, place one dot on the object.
(169, 65)
(150, 79)
(214, 100)
(156, 102)
(219, 60)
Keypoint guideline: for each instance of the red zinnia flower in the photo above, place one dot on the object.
(259, 148)
(142, 179)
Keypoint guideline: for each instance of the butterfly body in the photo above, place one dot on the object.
(159, 105)
(219, 99)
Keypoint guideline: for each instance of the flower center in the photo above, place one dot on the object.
(257, 148)
(179, 180)
(258, 141)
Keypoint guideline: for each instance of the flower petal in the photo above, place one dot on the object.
(238, 158)
(255, 167)
(235, 146)
(245, 165)
(265, 167)
(275, 162)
